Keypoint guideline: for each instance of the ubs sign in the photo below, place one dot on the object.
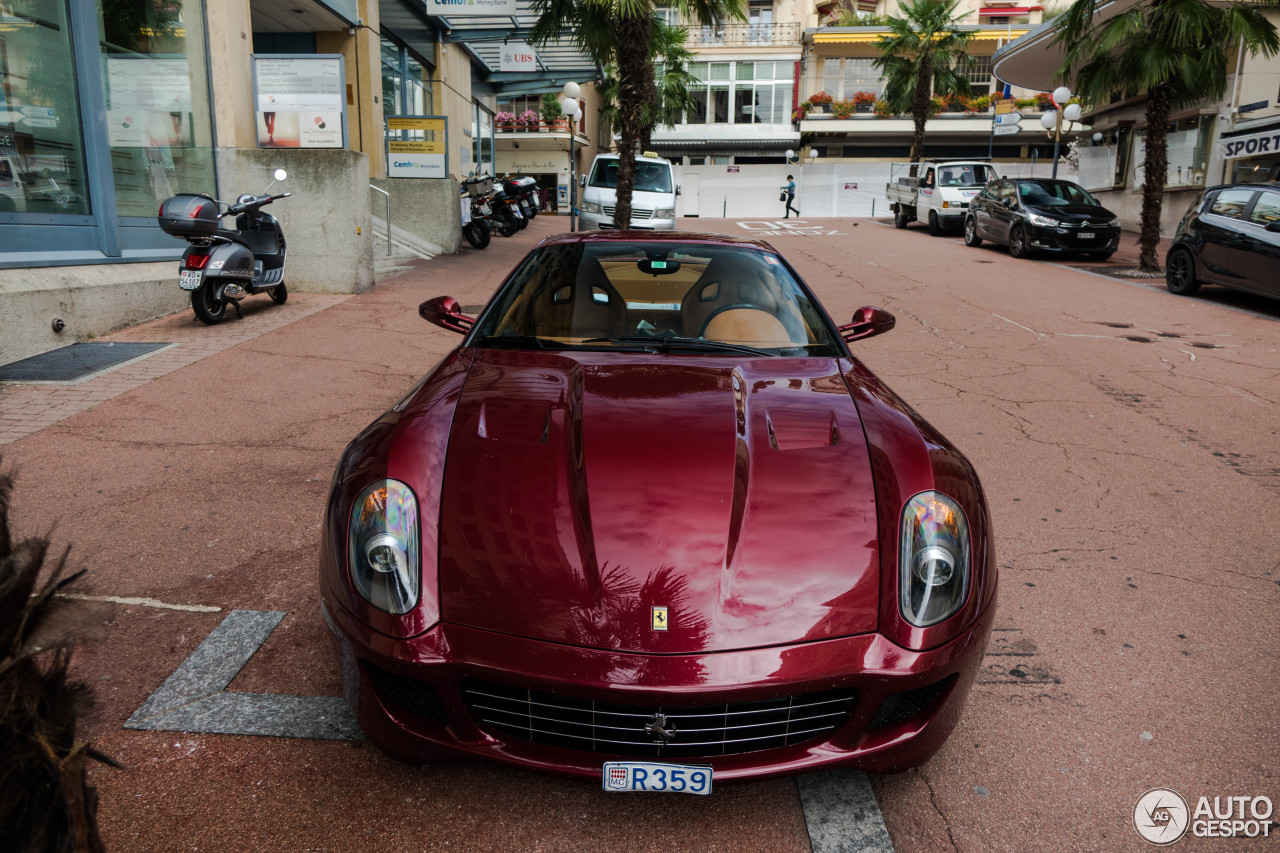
(517, 56)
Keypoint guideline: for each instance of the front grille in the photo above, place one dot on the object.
(614, 729)
(900, 707)
(636, 213)
(412, 695)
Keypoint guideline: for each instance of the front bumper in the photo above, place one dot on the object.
(1045, 239)
(442, 728)
(601, 221)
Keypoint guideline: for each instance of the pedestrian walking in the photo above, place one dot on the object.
(789, 195)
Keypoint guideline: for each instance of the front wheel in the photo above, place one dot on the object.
(1180, 273)
(475, 234)
(899, 216)
(279, 294)
(971, 237)
(935, 227)
(1018, 242)
(209, 307)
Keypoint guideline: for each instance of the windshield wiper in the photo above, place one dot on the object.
(666, 343)
(521, 341)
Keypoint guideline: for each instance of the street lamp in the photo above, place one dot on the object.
(791, 157)
(1052, 122)
(572, 110)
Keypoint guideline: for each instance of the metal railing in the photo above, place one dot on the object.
(387, 196)
(740, 35)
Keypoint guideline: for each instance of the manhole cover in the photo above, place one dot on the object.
(74, 362)
(472, 309)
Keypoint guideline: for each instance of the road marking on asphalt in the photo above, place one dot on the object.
(143, 602)
(841, 813)
(194, 697)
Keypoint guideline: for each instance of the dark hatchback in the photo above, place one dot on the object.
(1229, 236)
(1041, 215)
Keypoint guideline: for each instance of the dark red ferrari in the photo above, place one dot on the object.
(651, 523)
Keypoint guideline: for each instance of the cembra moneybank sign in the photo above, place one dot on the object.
(461, 8)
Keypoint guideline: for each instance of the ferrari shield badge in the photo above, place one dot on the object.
(659, 618)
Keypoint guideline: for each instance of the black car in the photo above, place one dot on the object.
(1230, 236)
(1041, 214)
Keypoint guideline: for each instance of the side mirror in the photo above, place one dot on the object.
(444, 311)
(677, 189)
(1274, 227)
(1007, 202)
(867, 322)
(582, 181)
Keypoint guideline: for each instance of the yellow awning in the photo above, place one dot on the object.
(872, 38)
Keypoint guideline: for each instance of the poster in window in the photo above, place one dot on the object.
(300, 101)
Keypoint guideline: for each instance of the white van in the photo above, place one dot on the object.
(653, 197)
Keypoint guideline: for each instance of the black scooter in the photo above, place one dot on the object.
(224, 266)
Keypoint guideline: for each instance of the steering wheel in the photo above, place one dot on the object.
(732, 306)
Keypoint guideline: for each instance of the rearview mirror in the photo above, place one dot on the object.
(445, 312)
(868, 321)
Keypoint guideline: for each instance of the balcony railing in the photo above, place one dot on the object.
(744, 35)
(560, 125)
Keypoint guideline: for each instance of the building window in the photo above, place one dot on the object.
(406, 82)
(42, 165)
(841, 78)
(979, 74)
(741, 92)
(1188, 152)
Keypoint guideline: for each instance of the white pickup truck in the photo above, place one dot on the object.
(939, 194)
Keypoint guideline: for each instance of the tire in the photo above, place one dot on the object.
(1180, 273)
(279, 294)
(209, 310)
(1018, 242)
(522, 223)
(475, 234)
(507, 225)
(935, 230)
(1099, 256)
(971, 237)
(486, 233)
(899, 216)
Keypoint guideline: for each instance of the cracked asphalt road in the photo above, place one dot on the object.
(1127, 440)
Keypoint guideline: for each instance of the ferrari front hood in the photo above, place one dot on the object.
(662, 504)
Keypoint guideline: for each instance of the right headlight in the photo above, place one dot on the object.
(590, 207)
(933, 560)
(382, 546)
(1042, 221)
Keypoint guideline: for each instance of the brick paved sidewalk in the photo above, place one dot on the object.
(26, 408)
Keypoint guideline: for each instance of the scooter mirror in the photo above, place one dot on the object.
(281, 174)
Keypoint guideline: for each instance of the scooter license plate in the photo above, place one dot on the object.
(517, 212)
(190, 279)
(486, 209)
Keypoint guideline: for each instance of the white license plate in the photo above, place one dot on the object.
(486, 209)
(517, 212)
(1086, 235)
(629, 776)
(189, 279)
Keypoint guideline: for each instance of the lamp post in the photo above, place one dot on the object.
(571, 109)
(1052, 122)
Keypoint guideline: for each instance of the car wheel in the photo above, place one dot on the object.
(899, 217)
(1018, 242)
(1180, 273)
(208, 307)
(279, 294)
(934, 228)
(971, 237)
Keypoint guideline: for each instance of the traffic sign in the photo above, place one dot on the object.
(1004, 107)
(1009, 118)
(1006, 129)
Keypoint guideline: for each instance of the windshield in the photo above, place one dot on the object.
(1054, 194)
(642, 294)
(967, 175)
(650, 177)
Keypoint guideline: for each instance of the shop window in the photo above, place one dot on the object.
(42, 164)
(1188, 152)
(157, 101)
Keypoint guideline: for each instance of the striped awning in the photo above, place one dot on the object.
(849, 36)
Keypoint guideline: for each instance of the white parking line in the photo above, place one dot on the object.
(841, 813)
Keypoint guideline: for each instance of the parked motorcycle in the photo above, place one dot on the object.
(506, 212)
(526, 190)
(223, 266)
(478, 229)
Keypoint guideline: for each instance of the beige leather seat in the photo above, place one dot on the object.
(749, 326)
(726, 281)
(591, 307)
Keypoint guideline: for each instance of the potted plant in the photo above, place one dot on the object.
(528, 120)
(842, 109)
(882, 110)
(864, 102)
(505, 121)
(551, 112)
(1025, 103)
(979, 104)
(818, 103)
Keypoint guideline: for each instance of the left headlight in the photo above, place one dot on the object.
(1042, 221)
(382, 546)
(933, 560)
(665, 213)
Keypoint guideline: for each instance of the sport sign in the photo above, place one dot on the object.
(1251, 145)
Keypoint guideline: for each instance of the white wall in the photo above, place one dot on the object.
(752, 191)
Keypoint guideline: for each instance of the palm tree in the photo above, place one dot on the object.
(1174, 51)
(923, 54)
(620, 33)
(672, 95)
